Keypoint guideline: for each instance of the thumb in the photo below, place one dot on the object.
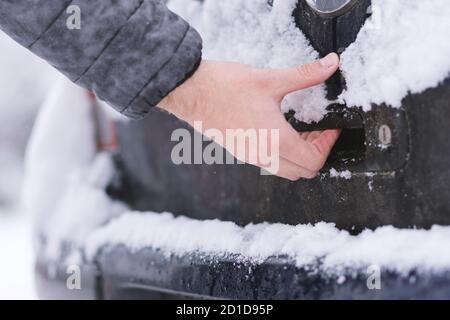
(307, 75)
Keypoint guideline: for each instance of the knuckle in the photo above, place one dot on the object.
(306, 71)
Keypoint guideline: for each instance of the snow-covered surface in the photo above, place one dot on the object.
(24, 80)
(402, 48)
(62, 141)
(78, 210)
(17, 262)
(405, 47)
(66, 180)
(65, 176)
(387, 247)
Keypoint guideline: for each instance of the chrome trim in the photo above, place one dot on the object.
(331, 8)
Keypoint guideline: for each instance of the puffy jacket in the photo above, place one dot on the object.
(130, 53)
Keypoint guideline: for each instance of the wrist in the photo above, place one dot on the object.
(183, 101)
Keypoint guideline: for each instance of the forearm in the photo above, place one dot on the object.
(130, 53)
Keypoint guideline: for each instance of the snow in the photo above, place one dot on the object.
(24, 80)
(16, 268)
(65, 176)
(403, 49)
(347, 175)
(386, 247)
(83, 206)
(11, 173)
(62, 141)
(66, 181)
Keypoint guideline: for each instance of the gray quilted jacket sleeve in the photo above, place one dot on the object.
(130, 53)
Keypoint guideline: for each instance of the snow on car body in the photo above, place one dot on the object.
(234, 233)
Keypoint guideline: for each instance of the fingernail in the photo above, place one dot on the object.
(330, 60)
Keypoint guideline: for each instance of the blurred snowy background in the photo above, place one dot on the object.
(24, 82)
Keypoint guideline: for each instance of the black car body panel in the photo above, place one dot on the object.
(396, 180)
(399, 177)
(401, 184)
(122, 274)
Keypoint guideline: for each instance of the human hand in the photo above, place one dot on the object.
(231, 96)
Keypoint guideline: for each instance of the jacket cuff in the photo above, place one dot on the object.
(184, 62)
